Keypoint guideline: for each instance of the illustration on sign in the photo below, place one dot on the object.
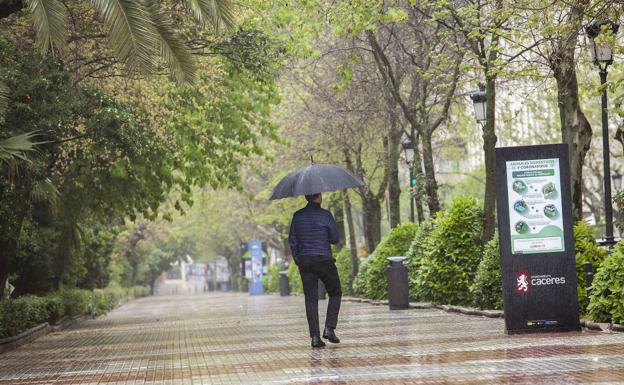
(535, 206)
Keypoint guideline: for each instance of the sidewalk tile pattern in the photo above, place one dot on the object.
(233, 338)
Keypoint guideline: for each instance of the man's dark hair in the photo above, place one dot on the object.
(312, 197)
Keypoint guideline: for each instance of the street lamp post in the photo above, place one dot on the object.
(479, 98)
(408, 149)
(602, 54)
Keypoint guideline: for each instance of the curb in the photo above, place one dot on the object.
(28, 336)
(591, 325)
(602, 326)
(428, 305)
(11, 343)
(66, 322)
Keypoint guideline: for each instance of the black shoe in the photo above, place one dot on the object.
(330, 336)
(317, 342)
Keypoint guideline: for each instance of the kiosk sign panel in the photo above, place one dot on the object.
(536, 239)
(255, 248)
(535, 220)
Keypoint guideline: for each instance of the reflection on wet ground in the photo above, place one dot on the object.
(237, 339)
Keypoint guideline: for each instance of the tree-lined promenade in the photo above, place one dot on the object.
(239, 339)
(137, 135)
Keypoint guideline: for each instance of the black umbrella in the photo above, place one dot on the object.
(315, 178)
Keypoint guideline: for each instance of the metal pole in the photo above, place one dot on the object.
(609, 241)
(411, 197)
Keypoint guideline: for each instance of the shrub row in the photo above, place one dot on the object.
(372, 279)
(343, 264)
(447, 264)
(22, 313)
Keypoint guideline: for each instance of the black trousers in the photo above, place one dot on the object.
(311, 272)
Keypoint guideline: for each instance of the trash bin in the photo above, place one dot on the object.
(283, 283)
(322, 292)
(398, 284)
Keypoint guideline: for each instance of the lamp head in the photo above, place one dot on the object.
(602, 51)
(479, 99)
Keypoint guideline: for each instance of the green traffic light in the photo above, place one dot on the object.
(413, 182)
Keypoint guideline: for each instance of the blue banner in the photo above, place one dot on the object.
(255, 249)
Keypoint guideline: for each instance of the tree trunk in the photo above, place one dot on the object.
(372, 218)
(352, 244)
(431, 186)
(575, 129)
(418, 172)
(336, 206)
(394, 187)
(18, 198)
(8, 250)
(489, 143)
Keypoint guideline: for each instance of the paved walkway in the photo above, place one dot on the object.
(238, 339)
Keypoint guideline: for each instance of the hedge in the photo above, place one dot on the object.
(607, 299)
(294, 279)
(271, 279)
(416, 254)
(587, 251)
(22, 313)
(343, 264)
(452, 253)
(373, 281)
(487, 288)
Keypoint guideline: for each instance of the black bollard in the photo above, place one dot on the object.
(398, 284)
(322, 292)
(284, 284)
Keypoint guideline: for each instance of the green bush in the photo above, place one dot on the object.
(294, 279)
(76, 301)
(20, 314)
(416, 254)
(271, 280)
(487, 288)
(607, 299)
(359, 283)
(396, 243)
(451, 255)
(343, 264)
(587, 251)
(139, 292)
(55, 308)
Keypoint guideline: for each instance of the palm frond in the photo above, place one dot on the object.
(44, 191)
(131, 32)
(50, 21)
(172, 48)
(16, 147)
(4, 97)
(217, 13)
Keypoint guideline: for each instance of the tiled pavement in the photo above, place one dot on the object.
(238, 339)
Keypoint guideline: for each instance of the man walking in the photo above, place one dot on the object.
(312, 230)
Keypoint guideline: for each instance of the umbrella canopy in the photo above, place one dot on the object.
(313, 179)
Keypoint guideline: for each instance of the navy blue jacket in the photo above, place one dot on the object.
(312, 229)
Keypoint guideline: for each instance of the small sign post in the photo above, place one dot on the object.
(536, 239)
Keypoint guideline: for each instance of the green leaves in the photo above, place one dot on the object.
(607, 304)
(17, 146)
(372, 277)
(452, 252)
(141, 33)
(132, 32)
(171, 47)
(487, 288)
(49, 19)
(217, 13)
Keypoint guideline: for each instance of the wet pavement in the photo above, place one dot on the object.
(237, 339)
